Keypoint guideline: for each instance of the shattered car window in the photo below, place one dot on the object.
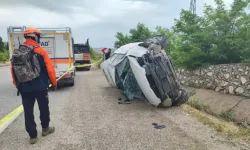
(126, 81)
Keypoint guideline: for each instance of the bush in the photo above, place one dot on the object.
(100, 62)
(4, 56)
(93, 54)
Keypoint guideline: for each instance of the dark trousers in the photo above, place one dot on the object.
(28, 100)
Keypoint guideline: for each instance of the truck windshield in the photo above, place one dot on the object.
(81, 49)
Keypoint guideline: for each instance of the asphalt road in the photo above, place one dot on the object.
(8, 93)
(87, 116)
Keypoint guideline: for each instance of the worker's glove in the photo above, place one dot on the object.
(53, 88)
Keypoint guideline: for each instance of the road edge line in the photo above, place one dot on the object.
(4, 66)
(8, 119)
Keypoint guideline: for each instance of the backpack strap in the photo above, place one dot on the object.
(18, 85)
(32, 54)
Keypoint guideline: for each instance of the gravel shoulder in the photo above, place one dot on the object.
(87, 116)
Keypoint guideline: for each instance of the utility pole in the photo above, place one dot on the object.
(193, 6)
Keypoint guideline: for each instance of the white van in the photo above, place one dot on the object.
(143, 71)
(58, 42)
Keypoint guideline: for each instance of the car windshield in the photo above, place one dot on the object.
(81, 49)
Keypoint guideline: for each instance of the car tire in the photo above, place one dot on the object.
(183, 98)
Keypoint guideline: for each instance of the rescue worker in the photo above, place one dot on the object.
(37, 88)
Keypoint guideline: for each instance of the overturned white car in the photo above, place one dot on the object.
(144, 71)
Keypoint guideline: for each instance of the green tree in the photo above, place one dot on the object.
(225, 26)
(215, 38)
(191, 48)
(168, 34)
(93, 53)
(219, 36)
(121, 40)
(4, 55)
(138, 34)
(7, 46)
(1, 44)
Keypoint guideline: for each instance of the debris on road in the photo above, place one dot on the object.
(124, 101)
(158, 126)
(143, 71)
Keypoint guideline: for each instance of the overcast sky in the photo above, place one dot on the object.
(98, 20)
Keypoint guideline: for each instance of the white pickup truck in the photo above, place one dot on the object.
(58, 42)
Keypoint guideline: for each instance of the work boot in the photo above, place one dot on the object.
(33, 140)
(48, 131)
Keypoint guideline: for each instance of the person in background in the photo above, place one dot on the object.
(107, 55)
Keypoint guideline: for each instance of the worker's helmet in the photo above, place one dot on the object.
(32, 33)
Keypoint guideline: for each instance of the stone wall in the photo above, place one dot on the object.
(227, 78)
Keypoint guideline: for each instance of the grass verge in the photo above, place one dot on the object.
(4, 56)
(99, 63)
(96, 62)
(223, 123)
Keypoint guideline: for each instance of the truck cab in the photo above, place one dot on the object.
(82, 56)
